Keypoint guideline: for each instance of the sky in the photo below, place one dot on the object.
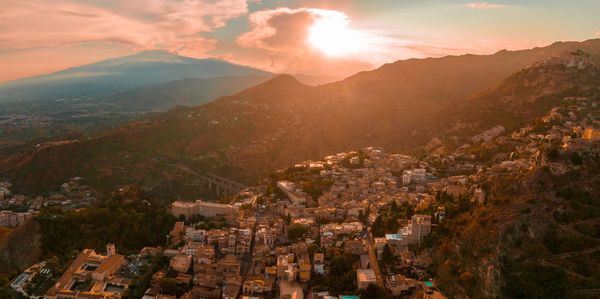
(314, 37)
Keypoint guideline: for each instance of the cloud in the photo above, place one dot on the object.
(139, 24)
(280, 42)
(282, 38)
(484, 5)
(597, 31)
(279, 28)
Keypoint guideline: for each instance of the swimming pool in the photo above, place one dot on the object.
(20, 279)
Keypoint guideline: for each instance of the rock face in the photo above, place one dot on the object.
(21, 248)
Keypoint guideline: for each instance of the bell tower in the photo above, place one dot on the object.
(110, 249)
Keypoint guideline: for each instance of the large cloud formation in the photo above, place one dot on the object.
(283, 35)
(141, 24)
(38, 36)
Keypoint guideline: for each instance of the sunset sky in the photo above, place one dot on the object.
(331, 37)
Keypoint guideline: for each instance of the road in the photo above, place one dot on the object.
(573, 253)
(373, 260)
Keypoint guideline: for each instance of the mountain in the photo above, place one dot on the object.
(526, 95)
(281, 121)
(119, 74)
(537, 234)
(109, 93)
(184, 92)
(314, 80)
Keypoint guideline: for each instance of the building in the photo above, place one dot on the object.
(433, 294)
(13, 219)
(304, 267)
(289, 188)
(91, 275)
(200, 208)
(290, 290)
(178, 232)
(255, 285)
(421, 227)
(319, 263)
(181, 263)
(354, 247)
(365, 277)
(196, 235)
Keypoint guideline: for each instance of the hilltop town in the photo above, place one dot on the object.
(356, 224)
(353, 224)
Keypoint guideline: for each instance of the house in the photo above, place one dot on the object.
(304, 267)
(318, 263)
(255, 285)
(365, 277)
(181, 263)
(354, 247)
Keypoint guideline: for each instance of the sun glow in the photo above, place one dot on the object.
(331, 35)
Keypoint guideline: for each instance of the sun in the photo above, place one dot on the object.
(331, 35)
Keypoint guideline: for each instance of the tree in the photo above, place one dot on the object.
(374, 291)
(168, 285)
(387, 256)
(377, 227)
(296, 231)
(131, 224)
(363, 217)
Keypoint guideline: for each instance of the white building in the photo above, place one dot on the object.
(206, 209)
(296, 196)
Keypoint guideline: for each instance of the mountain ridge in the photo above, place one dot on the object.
(271, 125)
(118, 74)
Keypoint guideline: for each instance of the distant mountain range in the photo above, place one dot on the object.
(105, 94)
(184, 92)
(120, 74)
(398, 106)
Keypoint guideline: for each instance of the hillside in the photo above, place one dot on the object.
(184, 92)
(119, 74)
(515, 101)
(20, 248)
(537, 235)
(281, 121)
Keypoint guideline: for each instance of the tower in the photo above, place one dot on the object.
(110, 249)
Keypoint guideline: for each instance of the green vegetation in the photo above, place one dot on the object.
(360, 154)
(315, 187)
(387, 222)
(83, 285)
(531, 280)
(169, 286)
(341, 278)
(140, 284)
(131, 221)
(296, 231)
(374, 291)
(452, 206)
(9, 293)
